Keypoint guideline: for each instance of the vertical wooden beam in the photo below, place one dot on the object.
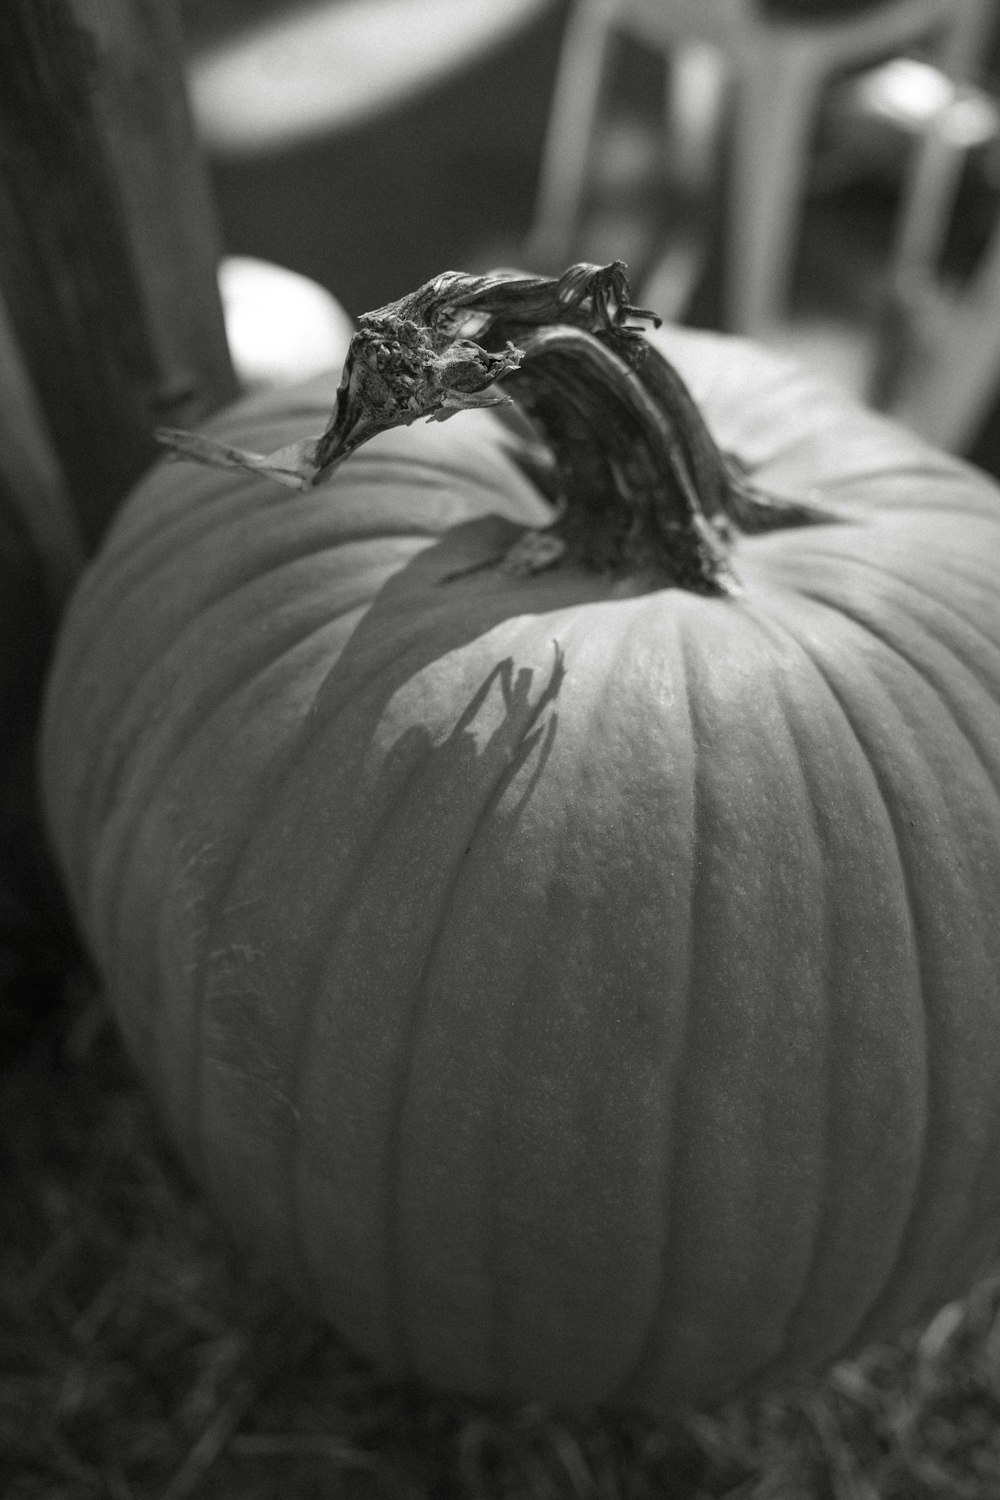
(108, 252)
(143, 112)
(33, 493)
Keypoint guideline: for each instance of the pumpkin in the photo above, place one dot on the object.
(574, 964)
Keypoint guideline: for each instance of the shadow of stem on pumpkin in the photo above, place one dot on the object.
(429, 649)
(432, 731)
(447, 613)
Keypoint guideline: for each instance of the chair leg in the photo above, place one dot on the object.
(965, 41)
(566, 152)
(948, 393)
(933, 180)
(695, 79)
(775, 103)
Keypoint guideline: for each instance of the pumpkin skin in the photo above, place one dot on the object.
(578, 992)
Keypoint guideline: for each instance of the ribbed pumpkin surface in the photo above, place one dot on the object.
(580, 992)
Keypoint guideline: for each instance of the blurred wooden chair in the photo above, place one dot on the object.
(941, 350)
(950, 376)
(779, 67)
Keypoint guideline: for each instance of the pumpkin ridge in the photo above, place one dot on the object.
(395, 1320)
(968, 504)
(272, 553)
(142, 733)
(649, 1356)
(370, 850)
(274, 778)
(420, 472)
(167, 519)
(891, 576)
(396, 1132)
(119, 862)
(775, 628)
(938, 691)
(822, 1198)
(365, 852)
(867, 1329)
(180, 735)
(822, 1210)
(509, 1054)
(939, 688)
(294, 1248)
(111, 584)
(242, 416)
(221, 520)
(780, 1351)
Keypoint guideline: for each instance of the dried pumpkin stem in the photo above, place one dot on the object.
(642, 485)
(630, 500)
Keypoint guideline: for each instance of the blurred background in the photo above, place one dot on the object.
(844, 152)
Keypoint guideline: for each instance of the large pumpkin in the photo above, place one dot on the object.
(581, 985)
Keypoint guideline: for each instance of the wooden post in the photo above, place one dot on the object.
(108, 252)
(32, 484)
